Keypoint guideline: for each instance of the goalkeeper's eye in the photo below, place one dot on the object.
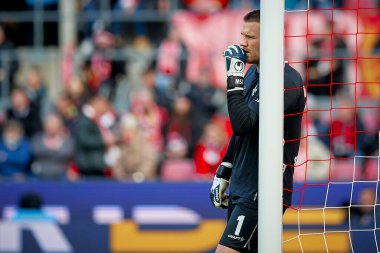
(247, 36)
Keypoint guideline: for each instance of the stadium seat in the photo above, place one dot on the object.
(177, 170)
(343, 169)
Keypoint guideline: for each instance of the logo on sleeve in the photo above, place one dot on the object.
(255, 94)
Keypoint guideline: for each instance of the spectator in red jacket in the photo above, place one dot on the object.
(210, 150)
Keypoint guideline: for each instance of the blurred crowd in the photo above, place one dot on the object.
(161, 113)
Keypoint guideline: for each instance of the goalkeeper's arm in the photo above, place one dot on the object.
(228, 157)
(243, 119)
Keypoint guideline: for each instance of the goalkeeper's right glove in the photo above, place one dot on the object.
(218, 195)
(236, 60)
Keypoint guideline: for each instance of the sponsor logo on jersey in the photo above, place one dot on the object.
(236, 238)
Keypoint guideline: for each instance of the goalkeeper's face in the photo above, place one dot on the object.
(250, 41)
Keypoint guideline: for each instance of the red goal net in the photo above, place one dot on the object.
(335, 208)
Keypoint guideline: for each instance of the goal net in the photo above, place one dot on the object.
(335, 207)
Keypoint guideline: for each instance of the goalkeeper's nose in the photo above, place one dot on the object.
(244, 45)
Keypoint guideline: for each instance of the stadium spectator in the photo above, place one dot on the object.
(151, 117)
(343, 126)
(170, 61)
(90, 144)
(103, 67)
(179, 130)
(163, 97)
(15, 153)
(322, 71)
(53, 150)
(107, 124)
(135, 159)
(36, 91)
(30, 209)
(210, 150)
(362, 214)
(9, 64)
(67, 110)
(25, 112)
(205, 102)
(76, 90)
(71, 99)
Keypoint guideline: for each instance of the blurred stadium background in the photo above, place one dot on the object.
(113, 120)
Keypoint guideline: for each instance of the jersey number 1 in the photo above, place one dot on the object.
(240, 220)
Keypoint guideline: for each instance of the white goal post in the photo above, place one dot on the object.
(271, 125)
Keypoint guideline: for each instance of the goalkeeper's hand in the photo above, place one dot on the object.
(218, 195)
(236, 60)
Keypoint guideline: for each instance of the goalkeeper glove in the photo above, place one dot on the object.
(236, 59)
(218, 195)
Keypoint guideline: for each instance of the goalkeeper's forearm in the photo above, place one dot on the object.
(228, 157)
(243, 119)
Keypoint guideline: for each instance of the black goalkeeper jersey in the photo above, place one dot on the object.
(243, 150)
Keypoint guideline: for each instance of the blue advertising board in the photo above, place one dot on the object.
(107, 216)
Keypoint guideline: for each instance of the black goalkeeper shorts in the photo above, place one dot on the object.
(241, 231)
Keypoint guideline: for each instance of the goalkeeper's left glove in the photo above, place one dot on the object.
(236, 59)
(218, 195)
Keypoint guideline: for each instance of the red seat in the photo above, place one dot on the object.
(372, 168)
(343, 170)
(177, 170)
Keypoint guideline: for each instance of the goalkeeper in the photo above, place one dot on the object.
(240, 164)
